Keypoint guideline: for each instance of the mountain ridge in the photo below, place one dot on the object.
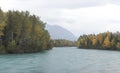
(58, 32)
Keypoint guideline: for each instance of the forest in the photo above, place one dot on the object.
(106, 40)
(63, 43)
(21, 32)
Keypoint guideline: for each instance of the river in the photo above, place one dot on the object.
(62, 60)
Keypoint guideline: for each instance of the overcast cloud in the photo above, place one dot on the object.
(78, 16)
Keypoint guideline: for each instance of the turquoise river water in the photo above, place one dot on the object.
(62, 60)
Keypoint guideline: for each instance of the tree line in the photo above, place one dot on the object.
(21, 32)
(63, 43)
(106, 40)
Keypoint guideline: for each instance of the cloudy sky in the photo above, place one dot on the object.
(78, 16)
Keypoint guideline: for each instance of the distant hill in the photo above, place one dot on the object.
(57, 32)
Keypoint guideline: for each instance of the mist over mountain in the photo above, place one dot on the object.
(58, 32)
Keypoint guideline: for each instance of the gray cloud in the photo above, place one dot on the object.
(28, 4)
(67, 3)
(115, 1)
(78, 16)
(114, 21)
(59, 3)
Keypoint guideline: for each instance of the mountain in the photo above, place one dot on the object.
(57, 32)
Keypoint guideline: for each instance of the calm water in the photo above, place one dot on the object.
(62, 60)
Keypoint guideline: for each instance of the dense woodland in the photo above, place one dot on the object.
(63, 43)
(21, 32)
(106, 40)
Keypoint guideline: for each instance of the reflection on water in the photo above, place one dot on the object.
(62, 60)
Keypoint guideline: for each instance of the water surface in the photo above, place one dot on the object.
(62, 60)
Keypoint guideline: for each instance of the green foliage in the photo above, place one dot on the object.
(21, 32)
(12, 44)
(118, 45)
(63, 43)
(2, 50)
(106, 40)
(107, 43)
